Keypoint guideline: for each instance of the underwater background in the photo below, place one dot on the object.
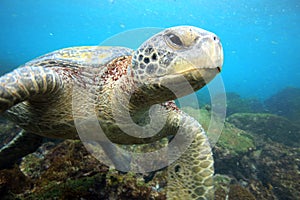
(258, 154)
(260, 37)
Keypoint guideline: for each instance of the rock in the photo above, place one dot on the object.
(236, 104)
(222, 185)
(68, 171)
(285, 103)
(271, 126)
(239, 193)
(13, 181)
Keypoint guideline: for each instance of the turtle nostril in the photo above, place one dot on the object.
(219, 69)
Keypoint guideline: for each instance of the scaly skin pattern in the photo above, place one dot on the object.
(110, 81)
(193, 171)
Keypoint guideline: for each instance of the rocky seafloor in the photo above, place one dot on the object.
(256, 157)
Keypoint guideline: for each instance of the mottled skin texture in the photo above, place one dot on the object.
(39, 97)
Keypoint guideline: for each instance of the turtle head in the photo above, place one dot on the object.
(178, 57)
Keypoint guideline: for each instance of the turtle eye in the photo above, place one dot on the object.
(173, 40)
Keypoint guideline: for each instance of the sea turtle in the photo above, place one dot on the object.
(38, 98)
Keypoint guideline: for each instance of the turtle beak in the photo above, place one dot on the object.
(220, 57)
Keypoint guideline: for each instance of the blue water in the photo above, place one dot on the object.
(260, 37)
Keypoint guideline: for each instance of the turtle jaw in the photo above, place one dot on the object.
(171, 87)
(189, 73)
(180, 84)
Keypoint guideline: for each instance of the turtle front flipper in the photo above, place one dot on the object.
(22, 84)
(26, 82)
(24, 143)
(191, 176)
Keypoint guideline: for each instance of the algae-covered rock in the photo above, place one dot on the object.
(68, 171)
(232, 140)
(201, 115)
(285, 103)
(222, 185)
(247, 162)
(258, 168)
(275, 162)
(235, 140)
(233, 145)
(279, 169)
(239, 193)
(13, 181)
(228, 187)
(272, 126)
(237, 104)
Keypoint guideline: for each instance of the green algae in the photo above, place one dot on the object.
(232, 139)
(68, 171)
(271, 126)
(235, 140)
(70, 189)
